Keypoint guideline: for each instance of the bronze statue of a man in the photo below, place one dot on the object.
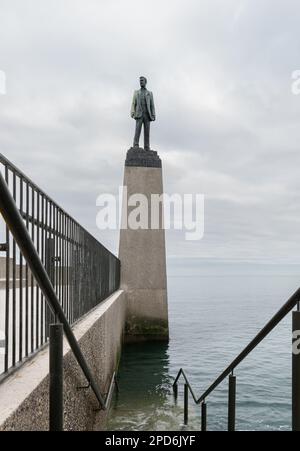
(143, 111)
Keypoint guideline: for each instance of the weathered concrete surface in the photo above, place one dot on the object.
(17, 270)
(31, 281)
(2, 267)
(143, 262)
(24, 395)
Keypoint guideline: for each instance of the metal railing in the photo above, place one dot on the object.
(17, 227)
(81, 271)
(229, 371)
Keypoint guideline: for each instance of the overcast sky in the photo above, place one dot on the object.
(227, 122)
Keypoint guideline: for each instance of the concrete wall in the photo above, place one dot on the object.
(17, 269)
(24, 395)
(61, 271)
(2, 268)
(17, 280)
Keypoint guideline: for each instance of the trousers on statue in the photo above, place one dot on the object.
(144, 120)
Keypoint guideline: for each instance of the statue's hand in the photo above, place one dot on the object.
(132, 115)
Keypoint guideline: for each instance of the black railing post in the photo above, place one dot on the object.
(231, 403)
(50, 268)
(56, 401)
(186, 404)
(175, 391)
(296, 372)
(203, 417)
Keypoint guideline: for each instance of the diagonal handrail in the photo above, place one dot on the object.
(265, 331)
(15, 223)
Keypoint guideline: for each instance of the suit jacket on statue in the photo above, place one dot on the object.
(137, 111)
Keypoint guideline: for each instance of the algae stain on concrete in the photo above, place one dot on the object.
(146, 328)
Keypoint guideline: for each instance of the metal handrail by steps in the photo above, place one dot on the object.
(229, 371)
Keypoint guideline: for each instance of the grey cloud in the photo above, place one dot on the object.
(227, 122)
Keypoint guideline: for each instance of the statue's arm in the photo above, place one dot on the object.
(153, 107)
(133, 106)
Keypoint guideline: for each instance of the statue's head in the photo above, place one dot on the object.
(143, 82)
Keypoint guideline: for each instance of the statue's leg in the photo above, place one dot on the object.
(147, 133)
(138, 129)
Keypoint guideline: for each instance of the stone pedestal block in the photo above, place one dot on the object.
(143, 253)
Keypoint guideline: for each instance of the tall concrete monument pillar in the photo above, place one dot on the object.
(142, 249)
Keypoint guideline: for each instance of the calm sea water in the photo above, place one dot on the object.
(215, 310)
